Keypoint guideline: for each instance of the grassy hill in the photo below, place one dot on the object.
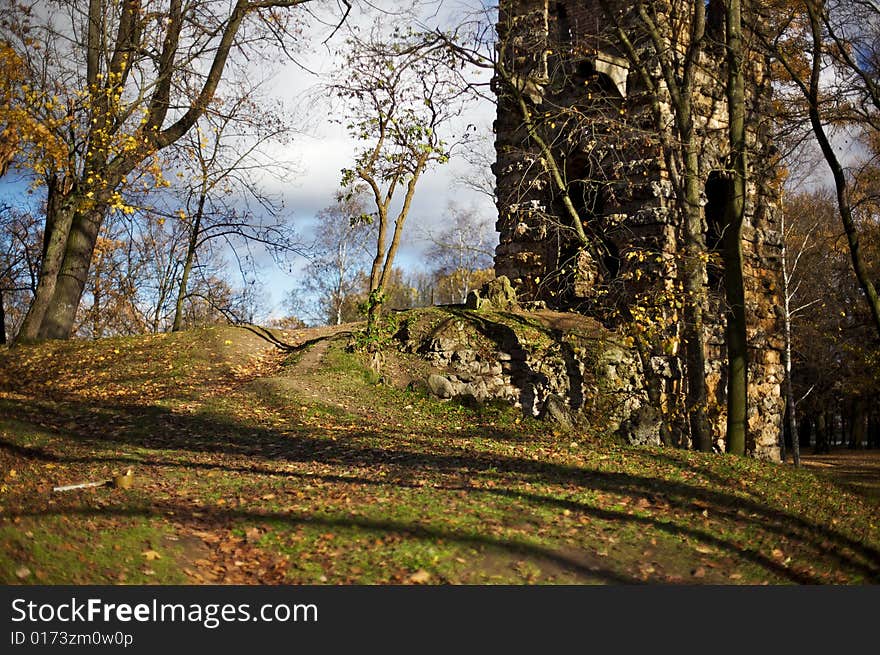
(256, 464)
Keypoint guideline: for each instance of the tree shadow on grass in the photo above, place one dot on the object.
(255, 450)
(271, 337)
(854, 471)
(582, 565)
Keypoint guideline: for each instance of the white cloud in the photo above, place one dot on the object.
(327, 149)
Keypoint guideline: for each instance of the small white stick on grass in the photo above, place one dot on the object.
(81, 485)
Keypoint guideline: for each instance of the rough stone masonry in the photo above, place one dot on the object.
(604, 129)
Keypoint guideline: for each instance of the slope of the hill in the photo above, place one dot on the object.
(254, 463)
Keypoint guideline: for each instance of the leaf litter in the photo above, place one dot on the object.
(328, 478)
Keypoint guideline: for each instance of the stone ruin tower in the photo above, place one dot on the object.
(602, 124)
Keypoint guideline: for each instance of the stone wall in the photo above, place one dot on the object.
(563, 367)
(599, 118)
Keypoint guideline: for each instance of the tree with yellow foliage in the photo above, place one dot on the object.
(26, 134)
(131, 78)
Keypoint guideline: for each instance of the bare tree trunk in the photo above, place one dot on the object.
(695, 288)
(341, 262)
(2, 321)
(786, 360)
(399, 223)
(377, 290)
(177, 324)
(789, 400)
(823, 441)
(187, 265)
(97, 297)
(59, 217)
(734, 287)
(858, 424)
(71, 279)
(164, 290)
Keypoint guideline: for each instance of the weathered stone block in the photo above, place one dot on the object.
(556, 410)
(440, 386)
(497, 294)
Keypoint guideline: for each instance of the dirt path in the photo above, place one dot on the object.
(312, 357)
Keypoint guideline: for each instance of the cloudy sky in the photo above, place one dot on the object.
(321, 153)
(322, 148)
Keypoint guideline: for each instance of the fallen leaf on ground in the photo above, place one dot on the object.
(420, 577)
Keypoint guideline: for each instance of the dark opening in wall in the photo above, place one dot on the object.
(589, 201)
(586, 200)
(715, 10)
(719, 190)
(563, 24)
(598, 82)
(611, 258)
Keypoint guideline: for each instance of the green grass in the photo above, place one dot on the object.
(115, 553)
(258, 471)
